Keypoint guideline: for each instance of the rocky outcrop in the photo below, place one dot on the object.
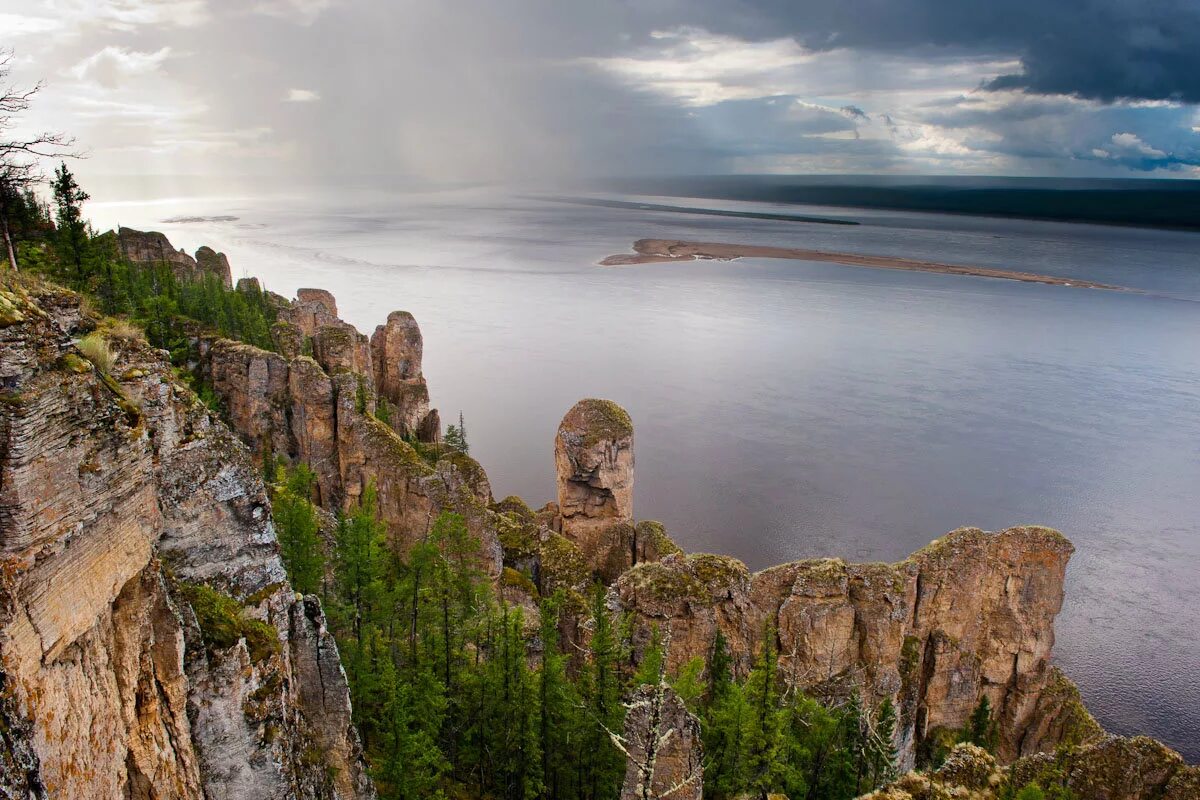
(124, 506)
(970, 615)
(1113, 768)
(396, 350)
(152, 248)
(209, 261)
(664, 755)
(593, 459)
(325, 411)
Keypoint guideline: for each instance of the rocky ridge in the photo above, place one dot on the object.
(1110, 768)
(968, 616)
(130, 520)
(152, 248)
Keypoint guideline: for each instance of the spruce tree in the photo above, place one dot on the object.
(297, 530)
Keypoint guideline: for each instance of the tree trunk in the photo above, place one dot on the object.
(8, 242)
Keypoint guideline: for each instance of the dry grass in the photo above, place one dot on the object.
(124, 330)
(95, 349)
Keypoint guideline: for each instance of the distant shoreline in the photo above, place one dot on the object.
(711, 212)
(654, 251)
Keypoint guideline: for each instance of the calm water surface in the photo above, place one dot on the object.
(791, 409)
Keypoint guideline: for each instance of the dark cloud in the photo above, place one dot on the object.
(1100, 49)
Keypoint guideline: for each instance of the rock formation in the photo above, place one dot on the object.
(127, 515)
(664, 756)
(1113, 768)
(152, 247)
(593, 458)
(971, 614)
(324, 411)
(396, 350)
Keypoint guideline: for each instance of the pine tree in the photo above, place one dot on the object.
(762, 693)
(720, 668)
(361, 563)
(981, 729)
(881, 745)
(69, 198)
(297, 530)
(605, 765)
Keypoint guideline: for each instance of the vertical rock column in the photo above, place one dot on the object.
(396, 351)
(593, 457)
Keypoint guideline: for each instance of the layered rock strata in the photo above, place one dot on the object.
(152, 248)
(123, 501)
(1112, 768)
(326, 410)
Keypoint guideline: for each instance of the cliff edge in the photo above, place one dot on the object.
(150, 645)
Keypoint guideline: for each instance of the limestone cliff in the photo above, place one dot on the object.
(328, 410)
(593, 458)
(1112, 768)
(971, 614)
(152, 248)
(129, 517)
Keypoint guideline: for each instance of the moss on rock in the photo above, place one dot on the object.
(223, 623)
(562, 564)
(597, 420)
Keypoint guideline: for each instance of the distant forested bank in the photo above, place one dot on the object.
(1151, 203)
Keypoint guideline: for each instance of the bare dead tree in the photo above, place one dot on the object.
(21, 153)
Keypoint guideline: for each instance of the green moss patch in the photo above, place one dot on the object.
(223, 622)
(598, 420)
(518, 580)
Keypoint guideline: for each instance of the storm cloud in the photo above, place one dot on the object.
(534, 90)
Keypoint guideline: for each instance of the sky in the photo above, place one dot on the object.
(546, 90)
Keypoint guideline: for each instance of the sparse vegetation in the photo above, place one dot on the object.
(94, 347)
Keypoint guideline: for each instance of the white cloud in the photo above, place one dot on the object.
(1101, 153)
(301, 96)
(701, 68)
(110, 66)
(128, 15)
(15, 25)
(1131, 141)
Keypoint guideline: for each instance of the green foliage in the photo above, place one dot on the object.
(455, 696)
(981, 728)
(297, 528)
(65, 249)
(760, 741)
(360, 396)
(223, 623)
(1031, 792)
(456, 436)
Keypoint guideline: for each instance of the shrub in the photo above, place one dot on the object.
(94, 348)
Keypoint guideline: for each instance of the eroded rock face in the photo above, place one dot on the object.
(152, 247)
(593, 457)
(1111, 768)
(664, 755)
(970, 614)
(214, 263)
(325, 411)
(116, 491)
(396, 350)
